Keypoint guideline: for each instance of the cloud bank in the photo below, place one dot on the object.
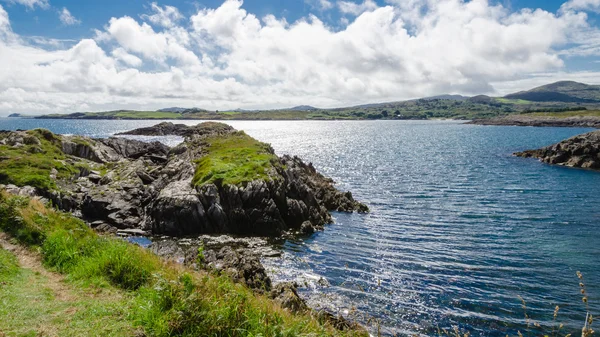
(223, 58)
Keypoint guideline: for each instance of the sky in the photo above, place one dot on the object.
(60, 56)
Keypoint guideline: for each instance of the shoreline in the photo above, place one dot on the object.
(580, 121)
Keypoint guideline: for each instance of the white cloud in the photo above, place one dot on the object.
(123, 56)
(586, 5)
(67, 18)
(349, 7)
(165, 17)
(30, 3)
(143, 40)
(226, 58)
(321, 5)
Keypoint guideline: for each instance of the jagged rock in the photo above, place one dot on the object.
(177, 210)
(307, 228)
(241, 267)
(286, 295)
(26, 191)
(580, 151)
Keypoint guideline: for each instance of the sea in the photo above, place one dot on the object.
(461, 235)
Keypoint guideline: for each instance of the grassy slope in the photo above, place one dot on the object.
(162, 299)
(31, 164)
(234, 159)
(36, 302)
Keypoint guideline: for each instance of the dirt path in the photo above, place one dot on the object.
(32, 261)
(38, 302)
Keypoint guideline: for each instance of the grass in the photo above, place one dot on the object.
(36, 304)
(32, 163)
(160, 298)
(8, 266)
(513, 101)
(145, 115)
(234, 159)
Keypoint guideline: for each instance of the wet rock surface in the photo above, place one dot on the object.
(581, 151)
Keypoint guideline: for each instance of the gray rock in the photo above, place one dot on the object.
(581, 151)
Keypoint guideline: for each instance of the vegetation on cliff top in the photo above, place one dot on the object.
(234, 159)
(160, 298)
(32, 162)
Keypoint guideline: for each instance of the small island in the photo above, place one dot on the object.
(15, 115)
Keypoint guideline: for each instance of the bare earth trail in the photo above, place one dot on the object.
(38, 302)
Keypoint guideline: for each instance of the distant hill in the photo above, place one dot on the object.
(563, 91)
(174, 109)
(15, 115)
(303, 108)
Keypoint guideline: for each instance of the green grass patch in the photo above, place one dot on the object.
(161, 298)
(32, 163)
(513, 101)
(8, 266)
(144, 115)
(32, 304)
(234, 159)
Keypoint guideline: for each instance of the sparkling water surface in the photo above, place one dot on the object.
(458, 229)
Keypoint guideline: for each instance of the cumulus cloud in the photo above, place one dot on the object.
(143, 40)
(226, 57)
(165, 17)
(586, 5)
(123, 56)
(30, 3)
(67, 18)
(349, 7)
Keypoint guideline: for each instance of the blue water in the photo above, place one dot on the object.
(458, 227)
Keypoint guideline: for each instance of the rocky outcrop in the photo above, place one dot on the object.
(537, 120)
(168, 128)
(580, 151)
(129, 184)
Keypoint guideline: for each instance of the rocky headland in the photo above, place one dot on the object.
(581, 151)
(218, 181)
(540, 120)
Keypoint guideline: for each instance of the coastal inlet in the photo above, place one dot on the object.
(458, 227)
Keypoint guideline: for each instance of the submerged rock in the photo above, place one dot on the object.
(580, 151)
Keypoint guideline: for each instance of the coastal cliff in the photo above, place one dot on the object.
(218, 180)
(580, 151)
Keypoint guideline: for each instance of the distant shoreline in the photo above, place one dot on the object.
(587, 120)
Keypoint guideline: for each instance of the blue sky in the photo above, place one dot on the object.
(95, 14)
(73, 55)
